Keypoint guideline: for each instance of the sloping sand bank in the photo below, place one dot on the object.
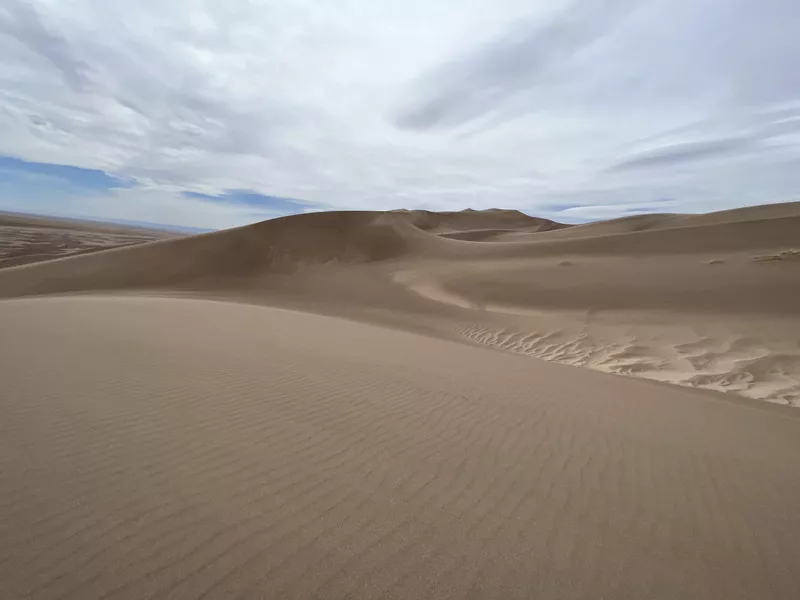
(699, 300)
(169, 430)
(178, 448)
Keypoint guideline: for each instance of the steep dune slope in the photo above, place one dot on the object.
(169, 431)
(450, 222)
(627, 302)
(277, 246)
(712, 306)
(349, 238)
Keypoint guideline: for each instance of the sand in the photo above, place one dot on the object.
(350, 405)
(26, 239)
(706, 301)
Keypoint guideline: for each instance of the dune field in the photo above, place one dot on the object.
(26, 239)
(368, 405)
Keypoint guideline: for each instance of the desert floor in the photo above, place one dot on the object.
(371, 405)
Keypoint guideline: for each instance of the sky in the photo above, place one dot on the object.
(210, 114)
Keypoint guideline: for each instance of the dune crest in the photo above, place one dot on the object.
(500, 278)
(177, 423)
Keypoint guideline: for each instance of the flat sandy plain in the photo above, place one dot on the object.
(26, 239)
(350, 405)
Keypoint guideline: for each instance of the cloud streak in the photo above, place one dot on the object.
(688, 152)
(527, 104)
(23, 23)
(483, 80)
(61, 190)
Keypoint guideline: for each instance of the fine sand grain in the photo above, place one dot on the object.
(169, 429)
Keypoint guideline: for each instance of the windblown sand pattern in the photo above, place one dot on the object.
(169, 430)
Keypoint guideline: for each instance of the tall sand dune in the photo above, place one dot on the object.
(450, 222)
(354, 405)
(629, 301)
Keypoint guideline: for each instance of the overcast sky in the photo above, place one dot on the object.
(217, 113)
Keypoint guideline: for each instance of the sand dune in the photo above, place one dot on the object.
(668, 220)
(169, 430)
(624, 300)
(26, 239)
(448, 223)
(195, 449)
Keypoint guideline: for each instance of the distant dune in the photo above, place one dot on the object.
(26, 239)
(677, 298)
(349, 405)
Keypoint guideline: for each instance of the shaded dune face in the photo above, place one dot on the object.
(624, 296)
(448, 223)
(362, 405)
(276, 246)
(337, 238)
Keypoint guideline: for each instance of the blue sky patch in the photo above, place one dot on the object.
(90, 179)
(67, 191)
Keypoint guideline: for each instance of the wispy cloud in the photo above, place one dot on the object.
(688, 152)
(90, 193)
(425, 103)
(22, 22)
(254, 199)
(485, 78)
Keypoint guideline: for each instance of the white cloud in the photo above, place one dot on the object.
(139, 204)
(422, 103)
